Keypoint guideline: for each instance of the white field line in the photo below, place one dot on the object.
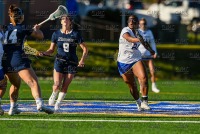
(77, 100)
(194, 102)
(78, 120)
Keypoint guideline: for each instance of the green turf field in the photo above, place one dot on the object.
(116, 89)
(111, 89)
(90, 127)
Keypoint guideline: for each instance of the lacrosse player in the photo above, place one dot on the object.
(16, 64)
(3, 81)
(146, 55)
(66, 62)
(130, 64)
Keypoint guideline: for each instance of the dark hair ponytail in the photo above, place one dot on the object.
(11, 9)
(15, 12)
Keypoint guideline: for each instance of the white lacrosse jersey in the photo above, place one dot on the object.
(1, 48)
(148, 36)
(128, 51)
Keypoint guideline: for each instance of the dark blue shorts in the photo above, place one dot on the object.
(65, 67)
(15, 66)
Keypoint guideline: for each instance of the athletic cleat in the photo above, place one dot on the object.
(57, 106)
(45, 109)
(139, 106)
(145, 106)
(52, 99)
(155, 89)
(1, 110)
(14, 110)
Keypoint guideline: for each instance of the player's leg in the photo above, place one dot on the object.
(68, 74)
(66, 82)
(30, 78)
(140, 72)
(14, 90)
(152, 72)
(15, 81)
(129, 79)
(145, 65)
(3, 85)
(57, 77)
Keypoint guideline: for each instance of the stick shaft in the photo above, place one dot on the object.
(43, 22)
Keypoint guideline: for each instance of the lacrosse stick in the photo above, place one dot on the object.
(144, 43)
(32, 51)
(61, 10)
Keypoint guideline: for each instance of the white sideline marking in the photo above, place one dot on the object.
(114, 101)
(77, 100)
(77, 120)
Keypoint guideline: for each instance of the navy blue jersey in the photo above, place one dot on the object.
(14, 56)
(15, 37)
(66, 44)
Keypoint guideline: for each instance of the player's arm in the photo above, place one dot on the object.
(84, 55)
(129, 38)
(51, 49)
(37, 33)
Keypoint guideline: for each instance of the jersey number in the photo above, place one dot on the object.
(135, 46)
(66, 47)
(12, 38)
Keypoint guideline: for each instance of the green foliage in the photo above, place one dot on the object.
(193, 38)
(175, 61)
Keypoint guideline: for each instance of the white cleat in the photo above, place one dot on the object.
(57, 106)
(145, 106)
(139, 106)
(45, 109)
(52, 99)
(155, 89)
(14, 110)
(1, 110)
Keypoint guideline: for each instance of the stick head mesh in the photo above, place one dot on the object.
(29, 50)
(59, 12)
